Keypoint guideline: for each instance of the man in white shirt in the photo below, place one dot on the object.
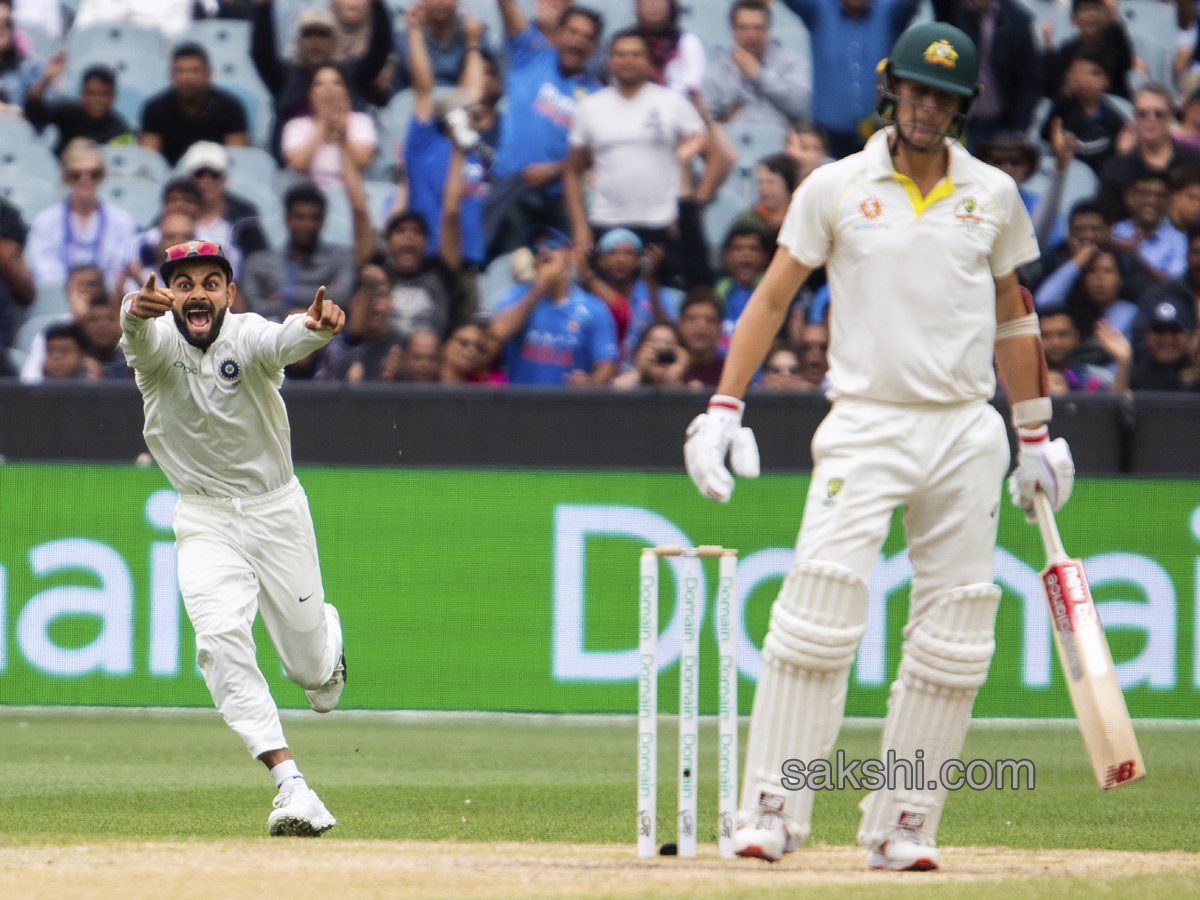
(921, 243)
(631, 133)
(217, 426)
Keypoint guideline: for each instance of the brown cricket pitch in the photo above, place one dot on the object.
(255, 869)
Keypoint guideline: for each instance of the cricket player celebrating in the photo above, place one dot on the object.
(216, 424)
(921, 243)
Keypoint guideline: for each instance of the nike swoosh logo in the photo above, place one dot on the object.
(302, 599)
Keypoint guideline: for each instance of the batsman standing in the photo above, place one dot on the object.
(217, 425)
(921, 243)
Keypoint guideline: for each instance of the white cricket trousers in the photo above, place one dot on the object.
(944, 465)
(241, 556)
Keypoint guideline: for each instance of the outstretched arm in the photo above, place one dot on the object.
(514, 20)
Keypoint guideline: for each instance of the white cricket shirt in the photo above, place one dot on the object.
(215, 421)
(912, 293)
(633, 144)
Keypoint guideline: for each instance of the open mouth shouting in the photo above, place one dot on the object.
(199, 322)
(199, 315)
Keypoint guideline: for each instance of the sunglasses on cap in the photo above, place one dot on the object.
(193, 248)
(547, 243)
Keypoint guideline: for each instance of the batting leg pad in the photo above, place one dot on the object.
(944, 662)
(816, 624)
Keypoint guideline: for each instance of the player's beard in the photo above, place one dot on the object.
(214, 330)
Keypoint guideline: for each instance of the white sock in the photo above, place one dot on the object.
(286, 773)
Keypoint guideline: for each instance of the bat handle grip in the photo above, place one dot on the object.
(1048, 527)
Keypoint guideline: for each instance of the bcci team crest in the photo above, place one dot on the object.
(229, 369)
(941, 53)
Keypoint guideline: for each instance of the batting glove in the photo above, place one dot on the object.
(1041, 463)
(711, 437)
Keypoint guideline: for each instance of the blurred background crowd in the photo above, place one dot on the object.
(538, 192)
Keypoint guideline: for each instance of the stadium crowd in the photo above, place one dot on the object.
(565, 195)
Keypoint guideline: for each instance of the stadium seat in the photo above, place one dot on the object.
(135, 162)
(1082, 183)
(252, 162)
(1151, 17)
(1156, 49)
(339, 224)
(117, 45)
(719, 215)
(16, 358)
(255, 99)
(262, 194)
(27, 160)
(1123, 106)
(496, 280)
(51, 301)
(379, 200)
(15, 132)
(35, 325)
(754, 142)
(286, 14)
(42, 43)
(137, 196)
(29, 195)
(1054, 12)
(220, 38)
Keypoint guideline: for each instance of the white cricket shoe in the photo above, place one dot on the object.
(299, 812)
(764, 833)
(326, 697)
(905, 850)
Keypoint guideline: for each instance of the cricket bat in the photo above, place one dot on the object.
(1086, 662)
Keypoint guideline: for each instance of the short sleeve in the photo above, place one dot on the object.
(421, 136)
(807, 230)
(154, 116)
(523, 48)
(233, 116)
(686, 118)
(297, 133)
(604, 334)
(1016, 243)
(361, 130)
(512, 296)
(581, 135)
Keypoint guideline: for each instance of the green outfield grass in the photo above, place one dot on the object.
(124, 775)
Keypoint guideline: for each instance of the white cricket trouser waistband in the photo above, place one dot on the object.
(854, 399)
(239, 503)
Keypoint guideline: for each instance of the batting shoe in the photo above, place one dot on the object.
(764, 833)
(906, 850)
(326, 697)
(299, 812)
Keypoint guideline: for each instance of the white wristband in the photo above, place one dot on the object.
(723, 401)
(1017, 327)
(1029, 412)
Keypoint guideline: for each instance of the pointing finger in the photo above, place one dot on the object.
(319, 303)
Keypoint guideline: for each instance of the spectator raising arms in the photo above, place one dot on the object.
(91, 116)
(314, 145)
(544, 86)
(758, 82)
(81, 230)
(676, 56)
(443, 31)
(192, 109)
(849, 37)
(555, 332)
(288, 79)
(427, 151)
(633, 133)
